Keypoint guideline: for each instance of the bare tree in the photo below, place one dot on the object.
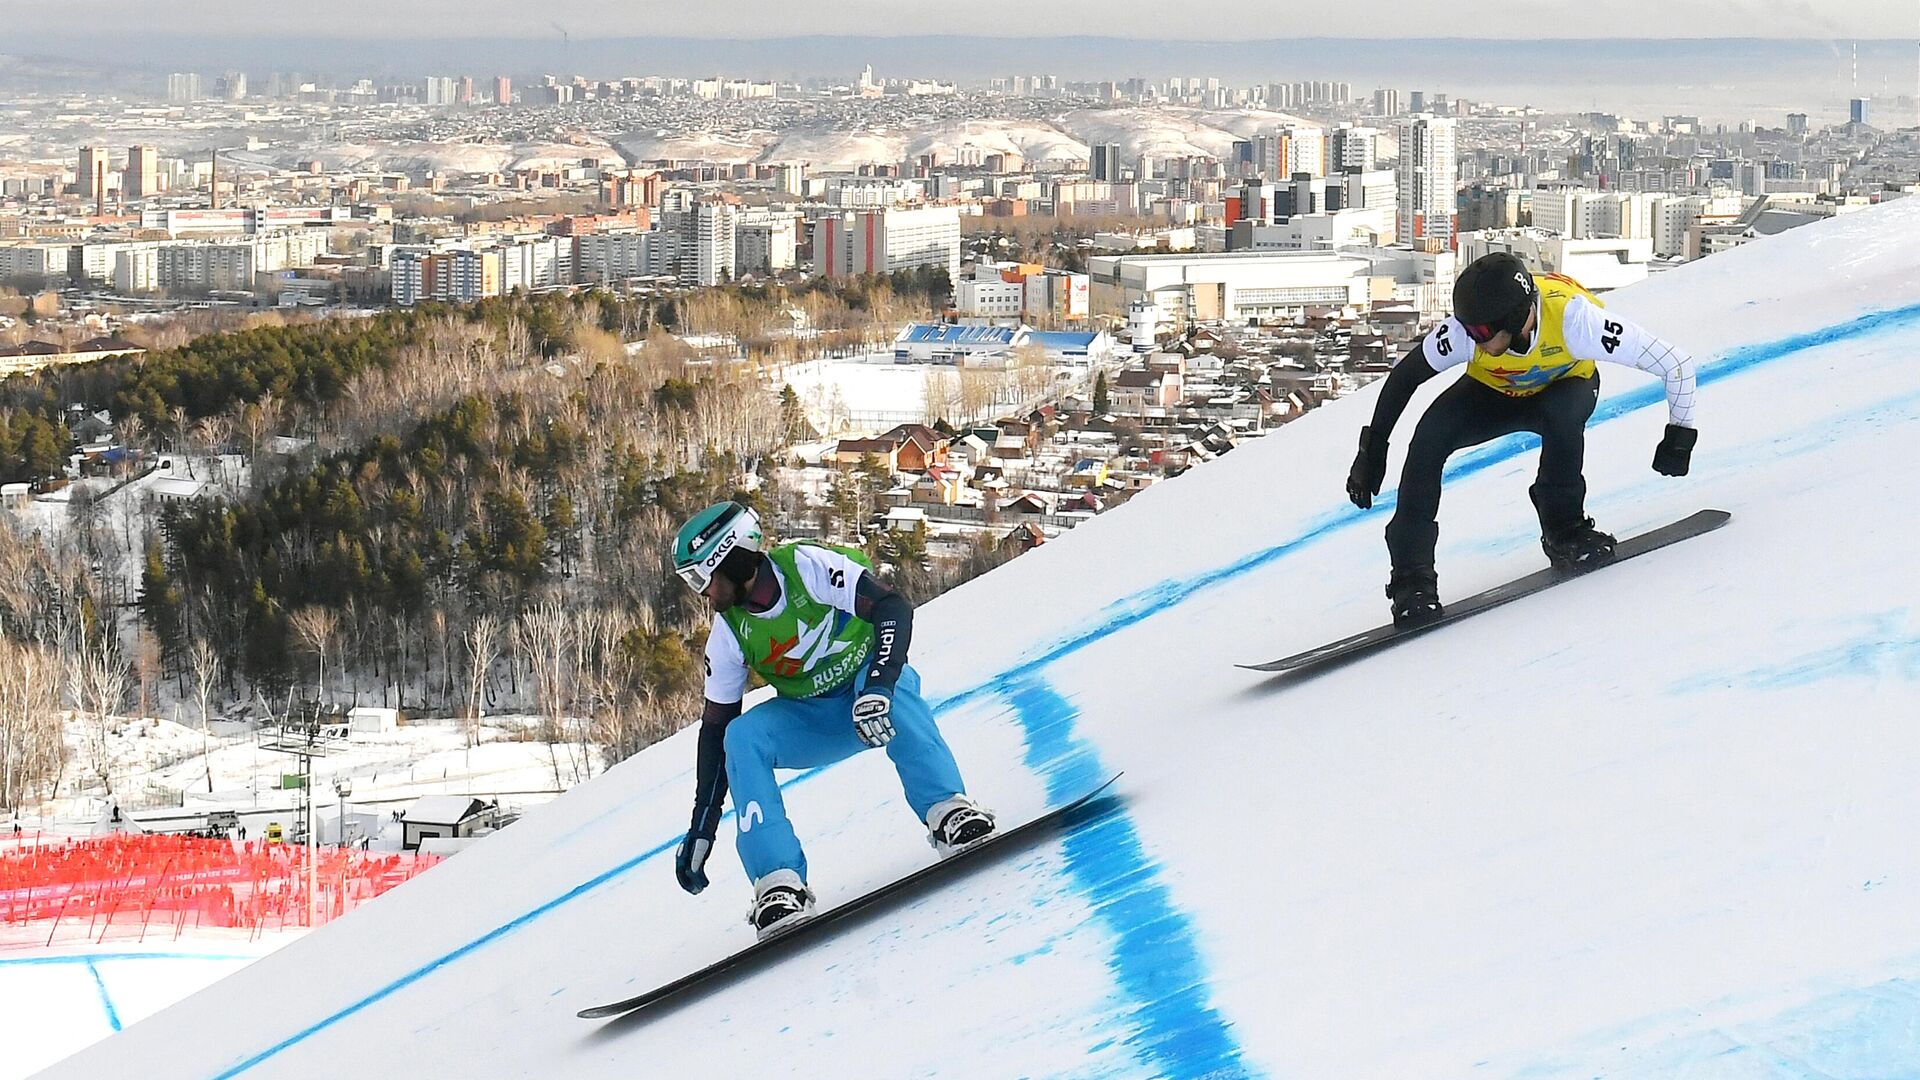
(315, 626)
(32, 749)
(98, 681)
(482, 640)
(545, 639)
(204, 662)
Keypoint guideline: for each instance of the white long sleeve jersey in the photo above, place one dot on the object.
(1591, 333)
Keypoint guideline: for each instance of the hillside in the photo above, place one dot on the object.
(1655, 822)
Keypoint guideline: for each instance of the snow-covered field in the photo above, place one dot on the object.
(858, 392)
(871, 392)
(1657, 822)
(151, 756)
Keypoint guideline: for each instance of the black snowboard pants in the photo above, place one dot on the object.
(1469, 413)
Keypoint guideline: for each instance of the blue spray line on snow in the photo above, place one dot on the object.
(106, 1000)
(1156, 958)
(1146, 602)
(91, 961)
(432, 966)
(101, 958)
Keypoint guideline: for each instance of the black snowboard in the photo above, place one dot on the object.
(1358, 645)
(765, 951)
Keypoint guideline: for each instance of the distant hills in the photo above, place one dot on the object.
(1733, 75)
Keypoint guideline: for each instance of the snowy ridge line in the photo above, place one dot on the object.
(1178, 1034)
(1136, 607)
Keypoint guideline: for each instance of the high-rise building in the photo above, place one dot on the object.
(1857, 111)
(1106, 162)
(884, 240)
(183, 87)
(766, 241)
(502, 90)
(1796, 124)
(1417, 101)
(714, 242)
(465, 94)
(1386, 103)
(142, 179)
(92, 171)
(1351, 147)
(233, 85)
(1427, 175)
(439, 90)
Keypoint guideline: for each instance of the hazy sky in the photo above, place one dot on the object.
(1151, 19)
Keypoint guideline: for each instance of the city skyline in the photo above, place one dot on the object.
(1126, 19)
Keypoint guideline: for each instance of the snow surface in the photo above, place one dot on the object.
(1655, 822)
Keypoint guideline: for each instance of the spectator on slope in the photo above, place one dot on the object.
(1529, 342)
(832, 641)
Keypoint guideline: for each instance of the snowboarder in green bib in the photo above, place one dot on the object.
(831, 640)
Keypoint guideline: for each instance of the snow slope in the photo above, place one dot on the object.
(1652, 823)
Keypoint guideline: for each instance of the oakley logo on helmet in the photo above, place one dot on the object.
(720, 552)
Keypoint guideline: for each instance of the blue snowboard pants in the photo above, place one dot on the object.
(806, 733)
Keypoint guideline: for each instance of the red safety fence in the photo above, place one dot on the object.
(173, 884)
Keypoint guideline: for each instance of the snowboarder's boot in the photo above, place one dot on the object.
(1579, 548)
(1415, 592)
(780, 901)
(956, 823)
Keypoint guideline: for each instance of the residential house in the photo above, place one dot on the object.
(1027, 502)
(969, 449)
(1015, 439)
(939, 485)
(921, 447)
(1088, 474)
(906, 518)
(1024, 537)
(1135, 390)
(905, 448)
(852, 453)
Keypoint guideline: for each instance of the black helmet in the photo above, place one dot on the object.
(1494, 293)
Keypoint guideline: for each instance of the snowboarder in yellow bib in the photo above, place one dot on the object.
(1529, 343)
(813, 621)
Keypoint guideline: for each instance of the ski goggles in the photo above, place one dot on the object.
(1481, 333)
(699, 573)
(695, 576)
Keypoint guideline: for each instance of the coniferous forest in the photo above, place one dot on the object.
(451, 511)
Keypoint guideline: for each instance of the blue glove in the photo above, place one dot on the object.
(873, 715)
(689, 865)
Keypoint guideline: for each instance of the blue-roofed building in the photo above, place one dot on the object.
(1074, 347)
(943, 343)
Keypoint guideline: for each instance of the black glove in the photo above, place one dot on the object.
(689, 865)
(1369, 469)
(1675, 452)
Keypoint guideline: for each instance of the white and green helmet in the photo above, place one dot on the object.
(705, 542)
